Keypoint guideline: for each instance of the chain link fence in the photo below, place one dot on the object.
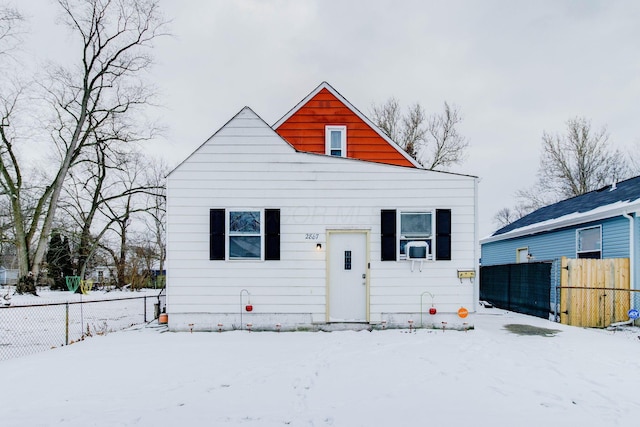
(28, 329)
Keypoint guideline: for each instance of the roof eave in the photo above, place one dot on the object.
(633, 207)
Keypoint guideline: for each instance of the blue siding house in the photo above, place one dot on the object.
(603, 223)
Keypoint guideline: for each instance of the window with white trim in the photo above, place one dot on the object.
(245, 234)
(336, 141)
(589, 242)
(416, 226)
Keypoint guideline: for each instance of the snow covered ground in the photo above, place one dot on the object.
(489, 376)
(30, 324)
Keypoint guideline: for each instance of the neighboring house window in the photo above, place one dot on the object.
(522, 255)
(248, 234)
(589, 242)
(336, 140)
(398, 228)
(416, 227)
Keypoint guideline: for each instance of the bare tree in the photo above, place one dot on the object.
(533, 198)
(131, 201)
(446, 145)
(104, 87)
(405, 130)
(579, 161)
(95, 193)
(571, 164)
(504, 217)
(387, 117)
(433, 141)
(634, 159)
(10, 30)
(155, 219)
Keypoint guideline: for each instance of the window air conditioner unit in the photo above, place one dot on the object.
(417, 251)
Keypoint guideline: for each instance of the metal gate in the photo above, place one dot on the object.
(523, 288)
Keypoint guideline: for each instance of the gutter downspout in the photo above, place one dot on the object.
(632, 257)
(476, 245)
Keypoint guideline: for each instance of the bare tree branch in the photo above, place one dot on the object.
(434, 141)
(504, 217)
(574, 163)
(579, 161)
(10, 29)
(93, 101)
(447, 146)
(387, 117)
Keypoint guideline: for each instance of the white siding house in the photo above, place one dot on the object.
(311, 241)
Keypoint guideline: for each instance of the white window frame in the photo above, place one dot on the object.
(578, 249)
(519, 260)
(428, 238)
(343, 139)
(230, 234)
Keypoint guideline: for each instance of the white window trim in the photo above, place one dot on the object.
(578, 230)
(432, 238)
(228, 234)
(343, 139)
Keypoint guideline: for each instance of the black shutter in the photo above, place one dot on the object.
(443, 234)
(272, 234)
(216, 234)
(388, 231)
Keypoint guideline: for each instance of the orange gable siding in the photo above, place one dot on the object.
(305, 131)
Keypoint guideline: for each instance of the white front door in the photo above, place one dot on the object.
(347, 276)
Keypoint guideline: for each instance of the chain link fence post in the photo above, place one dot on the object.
(66, 325)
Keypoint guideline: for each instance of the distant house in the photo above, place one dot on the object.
(8, 276)
(318, 222)
(101, 274)
(600, 224)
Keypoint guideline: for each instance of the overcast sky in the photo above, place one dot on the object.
(514, 68)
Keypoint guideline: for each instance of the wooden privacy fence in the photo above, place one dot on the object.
(594, 292)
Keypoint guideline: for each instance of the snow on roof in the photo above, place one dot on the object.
(606, 202)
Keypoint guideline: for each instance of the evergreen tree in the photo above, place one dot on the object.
(55, 261)
(67, 262)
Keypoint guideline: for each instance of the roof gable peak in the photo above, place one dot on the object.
(346, 103)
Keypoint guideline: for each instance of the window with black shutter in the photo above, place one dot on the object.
(272, 234)
(243, 231)
(443, 234)
(216, 234)
(414, 233)
(388, 231)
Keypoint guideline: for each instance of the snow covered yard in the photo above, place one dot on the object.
(29, 324)
(489, 376)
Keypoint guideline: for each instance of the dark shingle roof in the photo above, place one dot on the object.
(628, 190)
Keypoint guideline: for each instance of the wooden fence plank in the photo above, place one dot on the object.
(594, 292)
